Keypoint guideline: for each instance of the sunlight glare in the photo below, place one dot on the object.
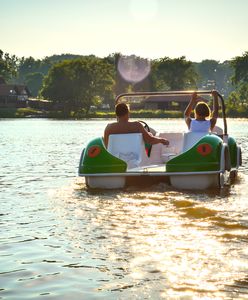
(143, 10)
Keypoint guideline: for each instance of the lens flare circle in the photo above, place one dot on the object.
(133, 69)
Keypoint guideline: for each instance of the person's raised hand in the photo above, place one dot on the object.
(214, 93)
(194, 96)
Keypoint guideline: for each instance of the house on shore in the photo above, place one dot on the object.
(13, 95)
(169, 102)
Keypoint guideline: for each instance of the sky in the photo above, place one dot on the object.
(197, 29)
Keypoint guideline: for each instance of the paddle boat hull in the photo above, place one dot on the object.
(193, 160)
(204, 165)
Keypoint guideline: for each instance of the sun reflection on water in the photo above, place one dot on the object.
(63, 241)
(167, 239)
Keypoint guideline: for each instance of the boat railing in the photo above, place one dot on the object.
(177, 93)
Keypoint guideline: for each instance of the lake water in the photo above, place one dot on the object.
(61, 241)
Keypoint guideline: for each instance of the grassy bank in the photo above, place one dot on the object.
(30, 112)
(137, 114)
(20, 113)
(140, 114)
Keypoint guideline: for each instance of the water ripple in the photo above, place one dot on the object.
(61, 241)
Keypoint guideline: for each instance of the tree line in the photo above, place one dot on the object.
(77, 82)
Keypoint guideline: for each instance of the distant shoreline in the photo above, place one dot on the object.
(17, 113)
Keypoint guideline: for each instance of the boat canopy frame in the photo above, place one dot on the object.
(118, 99)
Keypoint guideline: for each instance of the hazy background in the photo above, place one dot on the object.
(153, 28)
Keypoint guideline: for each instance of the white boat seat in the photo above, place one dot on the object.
(191, 138)
(175, 146)
(168, 153)
(217, 130)
(128, 147)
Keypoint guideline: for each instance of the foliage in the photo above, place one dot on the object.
(58, 58)
(31, 71)
(78, 84)
(19, 112)
(30, 65)
(8, 112)
(142, 113)
(207, 68)
(240, 66)
(75, 82)
(34, 82)
(133, 78)
(8, 65)
(120, 84)
(27, 111)
(224, 73)
(174, 74)
(214, 75)
(237, 102)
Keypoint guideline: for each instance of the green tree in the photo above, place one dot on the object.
(8, 65)
(174, 74)
(30, 65)
(240, 66)
(27, 66)
(121, 85)
(34, 82)
(78, 84)
(58, 86)
(207, 69)
(238, 100)
(223, 78)
(214, 75)
(31, 72)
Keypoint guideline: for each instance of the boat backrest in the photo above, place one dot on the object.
(175, 139)
(217, 130)
(175, 147)
(191, 138)
(128, 147)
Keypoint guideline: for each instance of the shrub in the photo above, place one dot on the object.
(8, 112)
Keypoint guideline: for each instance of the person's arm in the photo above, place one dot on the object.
(106, 136)
(215, 109)
(149, 138)
(189, 109)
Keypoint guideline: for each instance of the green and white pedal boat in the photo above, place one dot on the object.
(193, 160)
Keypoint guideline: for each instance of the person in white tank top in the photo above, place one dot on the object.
(201, 123)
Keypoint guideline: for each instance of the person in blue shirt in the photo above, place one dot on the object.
(204, 120)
